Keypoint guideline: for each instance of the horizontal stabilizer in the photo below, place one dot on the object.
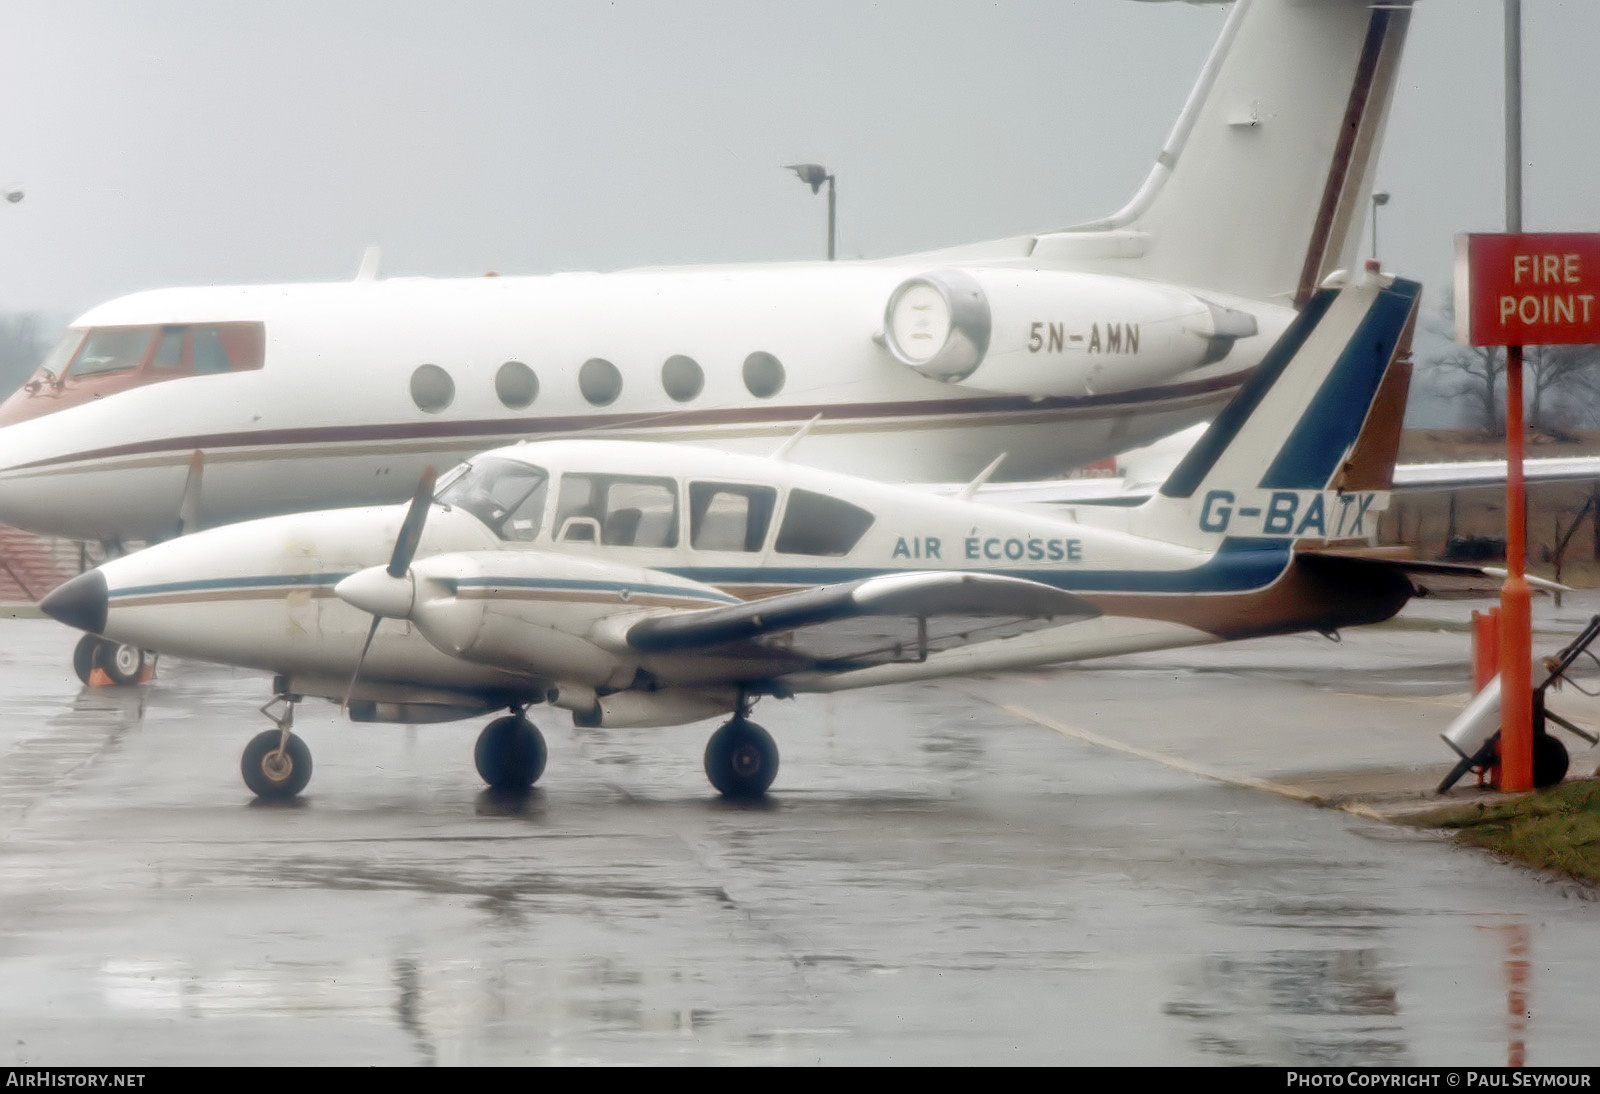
(1438, 580)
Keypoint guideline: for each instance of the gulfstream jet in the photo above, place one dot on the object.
(183, 408)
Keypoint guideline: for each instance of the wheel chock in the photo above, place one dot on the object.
(99, 679)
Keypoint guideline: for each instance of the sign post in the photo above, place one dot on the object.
(1515, 290)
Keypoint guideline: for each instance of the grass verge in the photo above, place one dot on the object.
(1556, 829)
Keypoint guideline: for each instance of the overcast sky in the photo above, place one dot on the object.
(171, 143)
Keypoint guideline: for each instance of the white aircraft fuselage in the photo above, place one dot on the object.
(333, 415)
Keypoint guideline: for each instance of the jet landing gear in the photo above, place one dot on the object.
(741, 759)
(117, 663)
(276, 764)
(510, 753)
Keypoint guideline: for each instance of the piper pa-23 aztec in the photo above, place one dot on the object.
(193, 407)
(641, 585)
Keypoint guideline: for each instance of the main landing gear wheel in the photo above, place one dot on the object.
(1549, 760)
(273, 772)
(741, 759)
(510, 754)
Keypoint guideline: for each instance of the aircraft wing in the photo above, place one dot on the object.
(854, 624)
(1414, 478)
(1470, 473)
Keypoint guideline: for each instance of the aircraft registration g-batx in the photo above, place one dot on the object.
(643, 585)
(194, 407)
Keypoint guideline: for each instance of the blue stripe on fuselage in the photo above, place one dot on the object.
(1241, 564)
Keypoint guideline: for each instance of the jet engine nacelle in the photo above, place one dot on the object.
(1046, 333)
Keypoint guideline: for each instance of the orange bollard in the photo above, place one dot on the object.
(1485, 648)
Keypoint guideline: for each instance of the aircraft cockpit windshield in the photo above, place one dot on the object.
(506, 495)
(92, 362)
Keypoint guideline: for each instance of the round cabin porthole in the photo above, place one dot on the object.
(599, 381)
(431, 388)
(763, 375)
(516, 385)
(682, 378)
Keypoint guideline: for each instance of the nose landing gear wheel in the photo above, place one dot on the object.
(123, 663)
(741, 760)
(274, 773)
(84, 656)
(510, 754)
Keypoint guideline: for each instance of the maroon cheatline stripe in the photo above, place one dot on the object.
(832, 413)
(1354, 117)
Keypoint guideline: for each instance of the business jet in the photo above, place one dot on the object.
(193, 407)
(640, 585)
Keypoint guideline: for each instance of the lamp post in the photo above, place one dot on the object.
(814, 175)
(1379, 199)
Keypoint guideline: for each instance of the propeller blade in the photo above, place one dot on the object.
(405, 545)
(372, 631)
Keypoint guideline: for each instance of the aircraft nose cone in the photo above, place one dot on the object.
(79, 603)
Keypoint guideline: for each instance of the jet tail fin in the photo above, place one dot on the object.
(1306, 449)
(1260, 189)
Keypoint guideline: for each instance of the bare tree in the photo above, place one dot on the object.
(1474, 373)
(1564, 382)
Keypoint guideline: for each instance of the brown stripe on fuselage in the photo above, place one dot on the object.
(275, 592)
(961, 413)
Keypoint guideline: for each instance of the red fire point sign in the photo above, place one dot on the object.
(1538, 289)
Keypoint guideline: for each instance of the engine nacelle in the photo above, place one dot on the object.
(670, 707)
(1047, 333)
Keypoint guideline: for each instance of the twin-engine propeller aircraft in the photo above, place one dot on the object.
(194, 407)
(641, 585)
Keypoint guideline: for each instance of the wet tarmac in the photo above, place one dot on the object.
(1088, 865)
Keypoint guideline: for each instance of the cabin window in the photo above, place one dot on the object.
(816, 524)
(112, 349)
(729, 517)
(516, 385)
(431, 388)
(618, 511)
(599, 381)
(763, 375)
(506, 495)
(682, 378)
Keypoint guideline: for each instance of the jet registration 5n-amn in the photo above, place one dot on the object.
(637, 585)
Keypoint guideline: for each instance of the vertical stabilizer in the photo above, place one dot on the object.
(1306, 448)
(1260, 189)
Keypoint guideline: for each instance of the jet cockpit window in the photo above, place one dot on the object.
(506, 495)
(112, 349)
(618, 511)
(201, 348)
(56, 361)
(729, 517)
(815, 524)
